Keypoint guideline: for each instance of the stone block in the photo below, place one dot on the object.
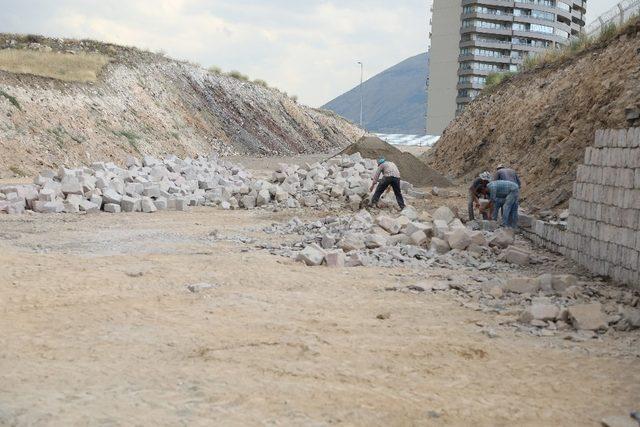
(374, 241)
(312, 255)
(478, 238)
(48, 207)
(419, 238)
(351, 243)
(111, 196)
(335, 259)
(248, 201)
(440, 228)
(540, 311)
(522, 285)
(112, 208)
(89, 206)
(502, 238)
(410, 213)
(439, 246)
(517, 255)
(443, 213)
(588, 317)
(459, 239)
(147, 205)
(130, 204)
(264, 197)
(389, 224)
(47, 195)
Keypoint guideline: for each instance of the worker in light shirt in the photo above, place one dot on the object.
(390, 177)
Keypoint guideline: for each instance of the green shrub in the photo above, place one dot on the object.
(494, 79)
(11, 99)
(238, 76)
(214, 70)
(262, 83)
(608, 32)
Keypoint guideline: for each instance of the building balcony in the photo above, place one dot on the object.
(504, 59)
(481, 30)
(498, 3)
(503, 17)
(481, 73)
(470, 85)
(540, 36)
(493, 44)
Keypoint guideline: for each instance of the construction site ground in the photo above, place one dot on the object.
(99, 328)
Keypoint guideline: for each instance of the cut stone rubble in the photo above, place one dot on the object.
(176, 184)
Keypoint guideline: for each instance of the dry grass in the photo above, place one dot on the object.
(62, 66)
(578, 45)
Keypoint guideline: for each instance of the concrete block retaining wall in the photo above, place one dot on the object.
(603, 229)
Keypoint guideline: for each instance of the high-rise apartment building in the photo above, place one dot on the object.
(471, 39)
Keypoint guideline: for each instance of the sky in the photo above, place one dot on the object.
(308, 48)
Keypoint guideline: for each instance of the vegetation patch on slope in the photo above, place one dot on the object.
(80, 67)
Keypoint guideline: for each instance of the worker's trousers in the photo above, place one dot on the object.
(383, 185)
(510, 209)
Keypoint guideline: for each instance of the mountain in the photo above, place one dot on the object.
(72, 102)
(395, 101)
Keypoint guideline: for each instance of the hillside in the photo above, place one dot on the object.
(541, 121)
(140, 102)
(395, 101)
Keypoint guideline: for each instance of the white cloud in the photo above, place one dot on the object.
(307, 48)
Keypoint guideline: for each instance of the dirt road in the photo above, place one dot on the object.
(99, 328)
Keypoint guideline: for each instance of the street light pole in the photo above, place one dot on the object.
(361, 93)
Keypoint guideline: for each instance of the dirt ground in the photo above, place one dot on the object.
(99, 328)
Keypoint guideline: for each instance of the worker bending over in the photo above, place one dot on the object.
(503, 193)
(390, 177)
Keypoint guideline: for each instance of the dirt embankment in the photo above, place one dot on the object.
(540, 122)
(144, 103)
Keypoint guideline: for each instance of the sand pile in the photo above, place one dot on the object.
(412, 169)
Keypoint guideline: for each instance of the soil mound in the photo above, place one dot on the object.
(411, 168)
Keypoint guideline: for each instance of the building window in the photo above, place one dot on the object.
(472, 79)
(478, 23)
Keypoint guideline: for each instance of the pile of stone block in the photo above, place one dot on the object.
(143, 186)
(342, 180)
(175, 184)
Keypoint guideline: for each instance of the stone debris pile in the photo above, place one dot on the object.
(409, 239)
(545, 305)
(175, 184)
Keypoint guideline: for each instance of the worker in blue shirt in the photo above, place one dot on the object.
(503, 194)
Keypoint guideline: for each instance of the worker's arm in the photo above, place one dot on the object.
(375, 178)
(474, 196)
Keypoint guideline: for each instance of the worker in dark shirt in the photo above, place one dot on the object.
(475, 191)
(504, 173)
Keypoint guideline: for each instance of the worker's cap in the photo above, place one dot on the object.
(485, 176)
(500, 166)
(381, 160)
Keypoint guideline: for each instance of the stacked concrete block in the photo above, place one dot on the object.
(603, 231)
